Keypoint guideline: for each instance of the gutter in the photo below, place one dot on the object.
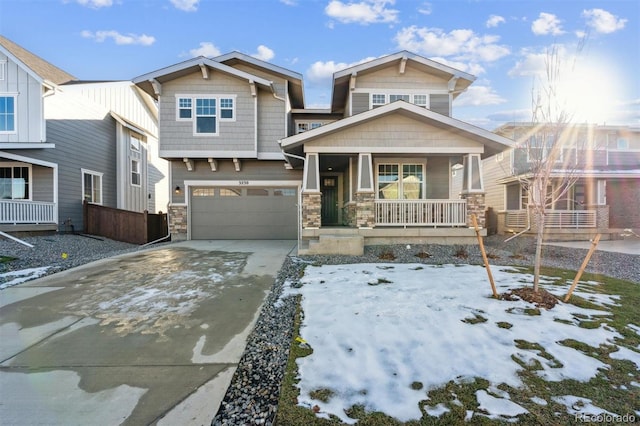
(18, 240)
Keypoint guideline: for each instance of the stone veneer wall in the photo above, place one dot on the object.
(178, 222)
(365, 210)
(350, 210)
(311, 209)
(475, 204)
(602, 215)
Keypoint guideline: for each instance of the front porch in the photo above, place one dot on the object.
(24, 216)
(559, 224)
(382, 209)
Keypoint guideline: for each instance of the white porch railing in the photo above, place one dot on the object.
(16, 212)
(421, 212)
(560, 219)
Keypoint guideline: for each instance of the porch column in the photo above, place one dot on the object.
(473, 189)
(311, 197)
(178, 222)
(365, 196)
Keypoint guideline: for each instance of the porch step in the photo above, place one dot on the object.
(349, 245)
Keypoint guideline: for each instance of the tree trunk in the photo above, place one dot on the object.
(538, 258)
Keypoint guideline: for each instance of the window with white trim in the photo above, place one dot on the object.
(303, 126)
(15, 181)
(184, 109)
(398, 181)
(7, 114)
(92, 186)
(135, 173)
(206, 111)
(134, 143)
(3, 68)
(379, 99)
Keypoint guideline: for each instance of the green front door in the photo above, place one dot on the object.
(329, 189)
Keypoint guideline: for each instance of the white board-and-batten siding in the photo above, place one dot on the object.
(30, 125)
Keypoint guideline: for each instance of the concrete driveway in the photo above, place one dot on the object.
(146, 338)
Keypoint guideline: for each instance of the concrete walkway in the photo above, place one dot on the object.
(147, 338)
(616, 246)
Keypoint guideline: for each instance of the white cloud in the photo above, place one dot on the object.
(186, 5)
(479, 96)
(289, 2)
(363, 12)
(534, 63)
(603, 21)
(460, 45)
(320, 71)
(547, 23)
(494, 21)
(473, 68)
(264, 53)
(120, 39)
(425, 9)
(206, 49)
(96, 4)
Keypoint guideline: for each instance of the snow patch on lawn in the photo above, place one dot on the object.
(498, 408)
(375, 329)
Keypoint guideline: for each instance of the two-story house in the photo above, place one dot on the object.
(63, 141)
(600, 165)
(249, 161)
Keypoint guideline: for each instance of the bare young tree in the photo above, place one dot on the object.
(551, 145)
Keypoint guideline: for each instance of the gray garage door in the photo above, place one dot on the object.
(243, 213)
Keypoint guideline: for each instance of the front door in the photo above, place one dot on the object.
(329, 211)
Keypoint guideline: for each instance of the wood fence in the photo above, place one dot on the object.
(123, 225)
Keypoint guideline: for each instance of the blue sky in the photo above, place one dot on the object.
(502, 43)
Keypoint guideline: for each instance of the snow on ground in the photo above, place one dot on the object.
(9, 279)
(377, 328)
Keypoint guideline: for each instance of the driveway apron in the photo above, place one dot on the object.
(151, 337)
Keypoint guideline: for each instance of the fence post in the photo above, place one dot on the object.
(145, 221)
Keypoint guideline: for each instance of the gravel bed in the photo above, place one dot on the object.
(58, 252)
(252, 397)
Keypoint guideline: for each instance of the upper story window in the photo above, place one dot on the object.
(135, 173)
(205, 111)
(379, 99)
(622, 143)
(184, 108)
(303, 126)
(14, 181)
(3, 68)
(135, 143)
(206, 117)
(541, 146)
(7, 114)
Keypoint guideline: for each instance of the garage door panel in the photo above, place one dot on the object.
(254, 214)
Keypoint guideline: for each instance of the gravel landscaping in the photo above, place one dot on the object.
(253, 394)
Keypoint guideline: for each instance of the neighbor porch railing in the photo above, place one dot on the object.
(421, 212)
(17, 212)
(560, 219)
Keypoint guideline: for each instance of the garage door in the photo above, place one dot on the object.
(243, 213)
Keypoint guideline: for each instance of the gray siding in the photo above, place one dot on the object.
(233, 136)
(251, 170)
(360, 103)
(494, 169)
(80, 144)
(29, 114)
(440, 103)
(437, 178)
(271, 122)
(42, 183)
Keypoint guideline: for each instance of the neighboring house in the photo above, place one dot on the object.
(604, 164)
(63, 141)
(248, 161)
